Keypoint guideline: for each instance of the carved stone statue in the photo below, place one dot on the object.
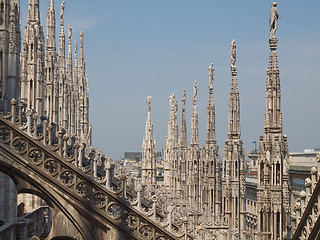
(81, 37)
(274, 16)
(195, 91)
(173, 102)
(69, 32)
(63, 4)
(184, 98)
(233, 53)
(75, 47)
(149, 102)
(211, 77)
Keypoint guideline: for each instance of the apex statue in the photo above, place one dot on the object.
(274, 16)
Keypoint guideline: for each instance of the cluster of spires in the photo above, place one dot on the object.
(193, 174)
(216, 190)
(51, 83)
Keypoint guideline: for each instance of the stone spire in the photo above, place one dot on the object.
(69, 81)
(61, 69)
(211, 132)
(51, 28)
(75, 123)
(171, 148)
(193, 157)
(182, 163)
(211, 177)
(183, 136)
(33, 12)
(194, 118)
(32, 62)
(149, 151)
(273, 201)
(83, 93)
(233, 179)
(234, 103)
(50, 65)
(273, 116)
(10, 47)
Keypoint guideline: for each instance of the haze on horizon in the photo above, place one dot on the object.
(133, 48)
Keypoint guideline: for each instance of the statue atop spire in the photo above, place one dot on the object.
(195, 92)
(75, 47)
(69, 33)
(233, 53)
(63, 4)
(148, 162)
(211, 76)
(81, 38)
(149, 102)
(274, 16)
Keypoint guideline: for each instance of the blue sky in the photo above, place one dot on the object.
(134, 48)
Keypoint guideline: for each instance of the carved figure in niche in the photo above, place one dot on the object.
(195, 91)
(278, 173)
(274, 16)
(211, 77)
(63, 4)
(233, 53)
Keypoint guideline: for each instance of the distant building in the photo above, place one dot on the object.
(132, 163)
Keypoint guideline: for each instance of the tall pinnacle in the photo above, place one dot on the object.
(149, 125)
(149, 151)
(33, 12)
(63, 5)
(194, 118)
(234, 103)
(51, 28)
(81, 57)
(211, 133)
(273, 116)
(183, 137)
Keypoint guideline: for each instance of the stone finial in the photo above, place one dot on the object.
(149, 102)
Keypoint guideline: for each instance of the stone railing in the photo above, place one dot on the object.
(305, 218)
(93, 178)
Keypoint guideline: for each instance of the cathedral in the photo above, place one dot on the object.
(46, 140)
(214, 188)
